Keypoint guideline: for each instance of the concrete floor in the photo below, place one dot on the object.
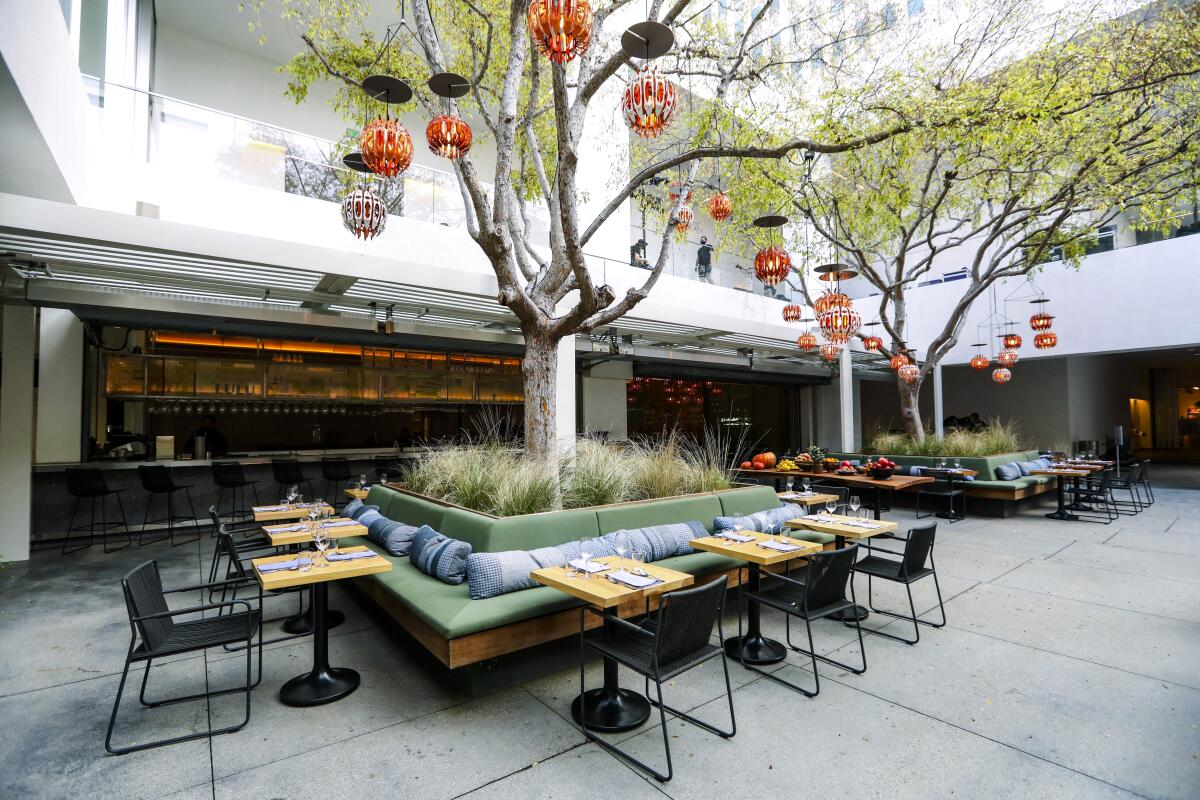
(1070, 668)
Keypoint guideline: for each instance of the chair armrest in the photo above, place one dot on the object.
(885, 550)
(776, 576)
(192, 610)
(627, 625)
(230, 582)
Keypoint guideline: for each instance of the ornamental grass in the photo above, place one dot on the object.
(1000, 436)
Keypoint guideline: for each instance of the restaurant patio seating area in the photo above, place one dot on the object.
(1066, 669)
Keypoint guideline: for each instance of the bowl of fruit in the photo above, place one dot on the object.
(881, 469)
(845, 468)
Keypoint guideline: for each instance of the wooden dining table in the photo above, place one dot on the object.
(295, 534)
(1062, 512)
(895, 483)
(841, 528)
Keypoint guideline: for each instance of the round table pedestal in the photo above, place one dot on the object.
(1061, 515)
(317, 687)
(610, 710)
(755, 649)
(302, 623)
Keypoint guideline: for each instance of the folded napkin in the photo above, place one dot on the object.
(286, 528)
(589, 568)
(269, 509)
(339, 523)
(795, 495)
(819, 518)
(318, 504)
(347, 556)
(275, 566)
(859, 523)
(734, 537)
(783, 547)
(633, 581)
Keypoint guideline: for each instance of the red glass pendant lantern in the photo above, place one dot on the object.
(807, 341)
(448, 137)
(831, 300)
(1012, 341)
(649, 102)
(830, 352)
(792, 313)
(772, 264)
(720, 207)
(980, 362)
(1002, 375)
(1007, 358)
(908, 373)
(872, 344)
(897, 361)
(561, 29)
(387, 148)
(1045, 340)
(1041, 321)
(839, 324)
(684, 219)
(363, 212)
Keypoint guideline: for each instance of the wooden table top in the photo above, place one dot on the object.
(952, 471)
(336, 570)
(752, 552)
(1085, 467)
(1070, 473)
(895, 482)
(291, 512)
(814, 499)
(599, 591)
(356, 494)
(279, 535)
(835, 528)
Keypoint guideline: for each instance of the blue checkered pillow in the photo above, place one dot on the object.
(492, 574)
(661, 541)
(440, 556)
(393, 536)
(1008, 472)
(769, 521)
(356, 507)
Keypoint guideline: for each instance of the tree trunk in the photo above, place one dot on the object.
(910, 408)
(539, 367)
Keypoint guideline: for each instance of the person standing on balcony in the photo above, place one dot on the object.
(704, 260)
(637, 254)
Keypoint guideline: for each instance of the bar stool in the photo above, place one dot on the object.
(288, 472)
(336, 471)
(87, 483)
(156, 479)
(229, 475)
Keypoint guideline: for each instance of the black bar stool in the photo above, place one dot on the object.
(229, 475)
(87, 483)
(336, 472)
(288, 472)
(156, 479)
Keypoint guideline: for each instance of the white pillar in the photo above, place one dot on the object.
(938, 416)
(60, 386)
(846, 400)
(564, 395)
(604, 392)
(16, 431)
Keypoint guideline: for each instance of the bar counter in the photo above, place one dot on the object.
(245, 459)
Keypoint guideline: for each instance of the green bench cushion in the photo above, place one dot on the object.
(747, 500)
(528, 532)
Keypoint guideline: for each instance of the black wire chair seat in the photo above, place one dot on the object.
(637, 652)
(791, 598)
(890, 570)
(195, 634)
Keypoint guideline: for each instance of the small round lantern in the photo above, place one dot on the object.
(684, 219)
(772, 264)
(561, 29)
(1007, 358)
(1012, 341)
(720, 207)
(830, 352)
(448, 137)
(387, 148)
(1045, 340)
(1002, 375)
(792, 313)
(839, 324)
(897, 361)
(831, 300)
(649, 102)
(872, 344)
(1041, 321)
(363, 212)
(980, 362)
(807, 341)
(908, 373)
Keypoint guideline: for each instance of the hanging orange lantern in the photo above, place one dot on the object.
(448, 137)
(1045, 340)
(980, 361)
(684, 219)
(1002, 375)
(720, 207)
(908, 373)
(1008, 357)
(387, 148)
(897, 361)
(831, 352)
(872, 344)
(1012, 341)
(677, 189)
(792, 313)
(649, 102)
(561, 29)
(772, 264)
(807, 341)
(839, 324)
(831, 300)
(1041, 321)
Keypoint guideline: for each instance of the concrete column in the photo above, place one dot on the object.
(60, 386)
(938, 416)
(564, 400)
(604, 392)
(846, 401)
(16, 431)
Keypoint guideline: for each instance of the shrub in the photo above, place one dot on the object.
(1000, 436)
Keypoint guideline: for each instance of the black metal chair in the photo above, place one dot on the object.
(819, 593)
(1130, 482)
(155, 634)
(157, 480)
(336, 472)
(918, 549)
(249, 544)
(288, 472)
(674, 639)
(240, 573)
(1145, 482)
(87, 483)
(1094, 493)
(228, 475)
(944, 486)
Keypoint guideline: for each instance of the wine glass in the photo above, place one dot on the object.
(292, 493)
(362, 481)
(807, 483)
(621, 545)
(791, 482)
(855, 504)
(322, 543)
(958, 464)
(585, 555)
(830, 506)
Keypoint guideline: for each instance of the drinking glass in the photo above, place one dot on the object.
(585, 555)
(830, 506)
(785, 534)
(790, 483)
(855, 503)
(807, 483)
(621, 545)
(639, 558)
(958, 463)
(292, 493)
(362, 481)
(322, 543)
(333, 544)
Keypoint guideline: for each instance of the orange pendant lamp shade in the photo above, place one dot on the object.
(792, 313)
(980, 362)
(807, 341)
(649, 103)
(897, 361)
(448, 137)
(830, 352)
(1008, 357)
(1012, 341)
(1045, 340)
(872, 344)
(772, 264)
(684, 220)
(1002, 375)
(561, 29)
(720, 207)
(387, 149)
(1041, 321)
(908, 373)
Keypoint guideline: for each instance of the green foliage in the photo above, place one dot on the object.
(1000, 436)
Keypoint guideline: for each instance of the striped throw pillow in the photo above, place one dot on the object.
(768, 521)
(440, 556)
